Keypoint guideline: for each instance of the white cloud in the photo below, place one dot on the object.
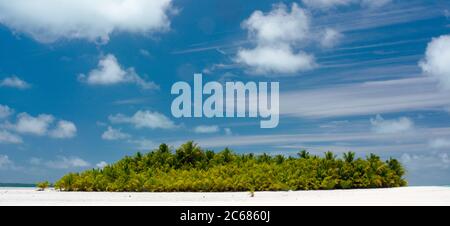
(42, 125)
(380, 125)
(270, 59)
(228, 131)
(276, 42)
(63, 162)
(366, 98)
(436, 61)
(423, 161)
(114, 134)
(375, 3)
(101, 164)
(14, 82)
(328, 4)
(5, 111)
(33, 125)
(145, 52)
(64, 129)
(207, 129)
(330, 37)
(145, 119)
(51, 20)
(110, 72)
(278, 25)
(5, 162)
(360, 140)
(440, 143)
(9, 138)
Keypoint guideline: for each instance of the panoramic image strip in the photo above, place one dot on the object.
(232, 103)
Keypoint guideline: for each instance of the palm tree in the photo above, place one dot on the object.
(395, 165)
(43, 185)
(163, 148)
(349, 157)
(189, 153)
(329, 155)
(304, 154)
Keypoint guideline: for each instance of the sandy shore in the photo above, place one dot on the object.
(391, 196)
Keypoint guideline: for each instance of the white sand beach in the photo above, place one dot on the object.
(391, 196)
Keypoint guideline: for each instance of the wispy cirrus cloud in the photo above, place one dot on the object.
(365, 98)
(207, 129)
(440, 143)
(363, 141)
(330, 4)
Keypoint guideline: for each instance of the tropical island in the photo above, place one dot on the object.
(192, 169)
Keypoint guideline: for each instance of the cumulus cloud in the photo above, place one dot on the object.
(32, 125)
(14, 82)
(271, 59)
(207, 129)
(51, 20)
(278, 25)
(9, 138)
(145, 119)
(41, 125)
(62, 162)
(328, 4)
(114, 134)
(276, 35)
(5, 111)
(436, 61)
(110, 72)
(64, 129)
(380, 125)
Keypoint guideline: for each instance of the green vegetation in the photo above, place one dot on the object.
(190, 168)
(43, 185)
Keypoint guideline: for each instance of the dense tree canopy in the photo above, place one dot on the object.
(190, 168)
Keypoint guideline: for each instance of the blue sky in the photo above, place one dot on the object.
(82, 83)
